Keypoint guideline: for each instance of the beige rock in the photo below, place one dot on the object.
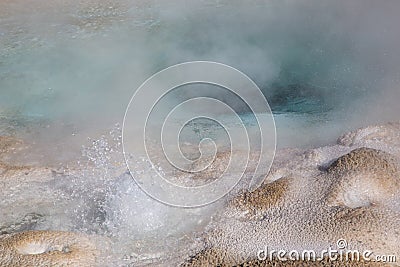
(310, 200)
(46, 248)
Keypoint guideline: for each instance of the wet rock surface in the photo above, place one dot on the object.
(310, 200)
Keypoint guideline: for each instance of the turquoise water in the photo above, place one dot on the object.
(73, 67)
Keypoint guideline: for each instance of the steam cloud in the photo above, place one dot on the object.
(82, 61)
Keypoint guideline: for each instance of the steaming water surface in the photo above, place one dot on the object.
(70, 68)
(67, 71)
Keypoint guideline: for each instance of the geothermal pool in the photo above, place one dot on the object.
(68, 70)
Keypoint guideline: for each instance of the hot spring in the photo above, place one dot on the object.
(68, 70)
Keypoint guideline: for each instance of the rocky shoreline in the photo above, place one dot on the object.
(309, 200)
(313, 198)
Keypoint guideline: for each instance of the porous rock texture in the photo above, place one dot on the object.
(46, 248)
(29, 197)
(309, 201)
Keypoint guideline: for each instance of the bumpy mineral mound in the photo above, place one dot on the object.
(314, 200)
(23, 209)
(366, 160)
(46, 248)
(310, 200)
(363, 177)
